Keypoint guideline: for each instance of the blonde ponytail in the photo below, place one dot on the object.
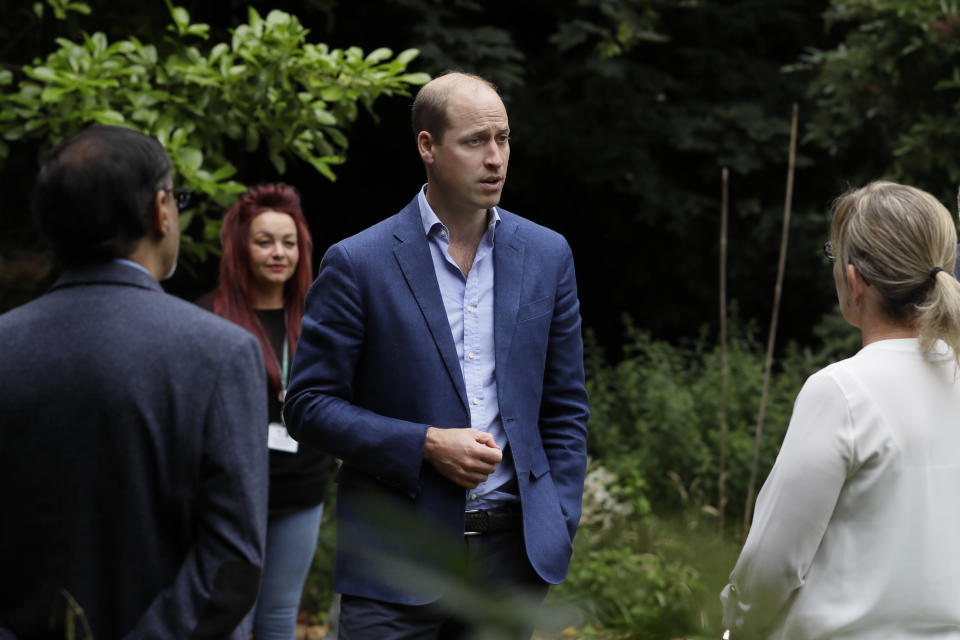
(938, 317)
(903, 241)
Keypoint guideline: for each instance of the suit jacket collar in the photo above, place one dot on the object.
(413, 256)
(106, 273)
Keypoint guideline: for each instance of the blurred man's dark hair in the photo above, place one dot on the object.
(94, 192)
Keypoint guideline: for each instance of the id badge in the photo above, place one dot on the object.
(279, 439)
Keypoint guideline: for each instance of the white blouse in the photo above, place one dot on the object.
(857, 529)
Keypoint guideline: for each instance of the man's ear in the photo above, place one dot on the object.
(425, 145)
(160, 213)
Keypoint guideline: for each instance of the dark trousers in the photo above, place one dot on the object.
(501, 599)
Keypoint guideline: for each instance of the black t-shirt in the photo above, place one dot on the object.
(297, 480)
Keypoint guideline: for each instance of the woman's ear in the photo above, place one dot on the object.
(852, 276)
(858, 285)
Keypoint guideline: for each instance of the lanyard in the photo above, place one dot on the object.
(285, 369)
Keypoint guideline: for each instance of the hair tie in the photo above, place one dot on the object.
(933, 274)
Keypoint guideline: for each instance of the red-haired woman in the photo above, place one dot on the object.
(264, 275)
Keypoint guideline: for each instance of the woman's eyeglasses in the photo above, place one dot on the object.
(828, 251)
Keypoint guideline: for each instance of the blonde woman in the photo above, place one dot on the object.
(857, 528)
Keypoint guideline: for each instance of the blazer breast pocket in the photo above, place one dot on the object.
(535, 309)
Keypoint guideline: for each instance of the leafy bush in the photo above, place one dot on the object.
(885, 95)
(619, 577)
(267, 87)
(657, 413)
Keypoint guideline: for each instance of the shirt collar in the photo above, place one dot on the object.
(135, 265)
(430, 220)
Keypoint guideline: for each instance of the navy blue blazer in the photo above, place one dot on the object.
(376, 365)
(133, 462)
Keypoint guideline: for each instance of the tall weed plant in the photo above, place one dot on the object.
(648, 561)
(656, 412)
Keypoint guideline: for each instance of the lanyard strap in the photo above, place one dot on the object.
(285, 369)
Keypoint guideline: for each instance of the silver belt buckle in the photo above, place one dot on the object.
(472, 533)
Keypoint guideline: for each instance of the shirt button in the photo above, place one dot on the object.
(473, 496)
(476, 401)
(443, 233)
(472, 355)
(470, 307)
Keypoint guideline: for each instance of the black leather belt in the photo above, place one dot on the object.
(480, 521)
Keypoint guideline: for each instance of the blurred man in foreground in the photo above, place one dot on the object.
(132, 424)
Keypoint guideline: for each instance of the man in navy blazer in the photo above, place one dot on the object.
(441, 359)
(132, 423)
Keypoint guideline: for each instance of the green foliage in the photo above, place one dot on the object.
(449, 37)
(620, 25)
(888, 95)
(631, 591)
(657, 413)
(451, 34)
(60, 8)
(673, 109)
(621, 577)
(267, 87)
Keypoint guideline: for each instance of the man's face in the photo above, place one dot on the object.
(468, 168)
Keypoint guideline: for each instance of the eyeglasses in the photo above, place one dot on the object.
(828, 251)
(183, 195)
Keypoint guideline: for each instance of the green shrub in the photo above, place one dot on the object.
(619, 577)
(656, 414)
(209, 103)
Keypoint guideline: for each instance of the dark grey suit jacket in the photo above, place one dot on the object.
(133, 462)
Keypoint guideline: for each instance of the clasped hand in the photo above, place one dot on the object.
(463, 456)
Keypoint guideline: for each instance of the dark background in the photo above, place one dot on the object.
(620, 153)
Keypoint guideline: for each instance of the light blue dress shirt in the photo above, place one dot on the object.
(469, 305)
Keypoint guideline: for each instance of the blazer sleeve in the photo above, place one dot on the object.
(564, 404)
(321, 409)
(793, 509)
(218, 582)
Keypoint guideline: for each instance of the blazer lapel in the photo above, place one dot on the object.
(413, 256)
(508, 271)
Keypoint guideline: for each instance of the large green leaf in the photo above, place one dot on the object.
(265, 84)
(190, 158)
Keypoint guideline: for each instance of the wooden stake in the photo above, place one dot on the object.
(721, 480)
(778, 290)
